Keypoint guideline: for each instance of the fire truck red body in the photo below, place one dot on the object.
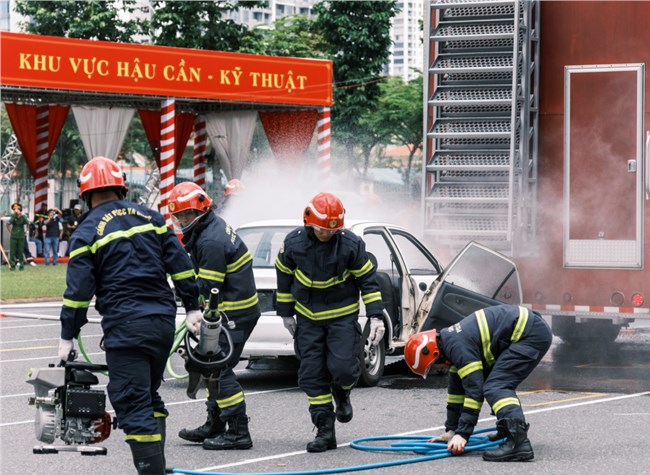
(577, 221)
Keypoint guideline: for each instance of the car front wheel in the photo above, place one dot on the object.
(372, 359)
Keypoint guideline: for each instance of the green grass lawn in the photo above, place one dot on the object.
(34, 283)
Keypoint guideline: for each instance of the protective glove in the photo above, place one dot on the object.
(290, 324)
(377, 330)
(193, 321)
(446, 437)
(65, 347)
(456, 444)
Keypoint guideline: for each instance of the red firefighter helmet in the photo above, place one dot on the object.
(233, 187)
(101, 172)
(421, 352)
(188, 195)
(325, 211)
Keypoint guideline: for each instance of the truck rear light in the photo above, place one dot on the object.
(617, 299)
(637, 299)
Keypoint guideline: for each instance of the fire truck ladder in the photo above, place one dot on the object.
(481, 121)
(8, 163)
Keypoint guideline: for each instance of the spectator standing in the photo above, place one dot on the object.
(16, 228)
(53, 234)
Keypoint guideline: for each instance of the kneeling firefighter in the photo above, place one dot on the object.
(491, 352)
(222, 261)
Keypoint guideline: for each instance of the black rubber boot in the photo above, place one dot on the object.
(236, 437)
(343, 405)
(326, 434)
(148, 457)
(212, 427)
(162, 427)
(498, 435)
(516, 448)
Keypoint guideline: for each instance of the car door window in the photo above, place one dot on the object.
(418, 260)
(376, 245)
(264, 243)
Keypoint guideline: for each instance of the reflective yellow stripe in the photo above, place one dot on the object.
(234, 266)
(521, 324)
(455, 398)
(320, 284)
(127, 233)
(347, 388)
(76, 303)
(283, 297)
(485, 337)
(228, 306)
(319, 400)
(453, 369)
(208, 274)
(159, 415)
(79, 250)
(231, 401)
(371, 297)
(501, 403)
(183, 275)
(143, 437)
(367, 267)
(470, 368)
(472, 403)
(324, 315)
(281, 267)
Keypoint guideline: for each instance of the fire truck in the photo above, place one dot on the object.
(536, 145)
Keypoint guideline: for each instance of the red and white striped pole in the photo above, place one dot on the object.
(167, 155)
(200, 137)
(324, 139)
(42, 156)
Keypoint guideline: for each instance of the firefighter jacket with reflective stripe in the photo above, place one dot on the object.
(122, 252)
(472, 346)
(222, 261)
(322, 280)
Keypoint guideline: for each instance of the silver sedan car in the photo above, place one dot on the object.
(408, 275)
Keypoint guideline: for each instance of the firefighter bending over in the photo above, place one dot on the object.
(222, 261)
(491, 352)
(321, 268)
(121, 253)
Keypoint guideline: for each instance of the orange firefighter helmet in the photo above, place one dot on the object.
(101, 172)
(188, 195)
(233, 187)
(421, 352)
(325, 211)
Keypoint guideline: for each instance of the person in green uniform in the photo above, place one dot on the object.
(16, 227)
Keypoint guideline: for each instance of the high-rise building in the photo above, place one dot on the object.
(407, 50)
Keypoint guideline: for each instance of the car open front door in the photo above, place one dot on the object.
(478, 277)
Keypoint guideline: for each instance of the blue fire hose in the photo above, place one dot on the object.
(417, 444)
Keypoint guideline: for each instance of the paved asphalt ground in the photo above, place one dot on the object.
(576, 428)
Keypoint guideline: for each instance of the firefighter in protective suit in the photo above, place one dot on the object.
(222, 261)
(491, 352)
(321, 269)
(121, 252)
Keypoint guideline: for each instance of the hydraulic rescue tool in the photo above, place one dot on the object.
(208, 354)
(67, 407)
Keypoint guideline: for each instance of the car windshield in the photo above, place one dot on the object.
(264, 243)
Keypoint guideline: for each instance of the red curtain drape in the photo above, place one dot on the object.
(23, 121)
(183, 126)
(289, 132)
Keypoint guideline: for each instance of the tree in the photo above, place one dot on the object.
(92, 20)
(203, 25)
(293, 35)
(358, 40)
(398, 117)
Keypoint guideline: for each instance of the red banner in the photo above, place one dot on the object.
(101, 66)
